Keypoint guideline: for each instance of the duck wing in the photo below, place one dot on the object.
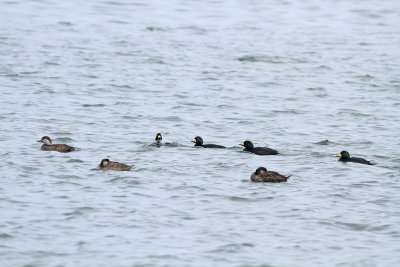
(212, 146)
(361, 160)
(118, 166)
(58, 147)
(63, 148)
(269, 177)
(264, 151)
(275, 177)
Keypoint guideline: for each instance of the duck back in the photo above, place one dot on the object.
(262, 151)
(360, 160)
(116, 166)
(269, 177)
(212, 146)
(59, 148)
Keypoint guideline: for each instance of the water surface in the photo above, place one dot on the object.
(106, 76)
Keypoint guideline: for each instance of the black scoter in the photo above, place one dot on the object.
(262, 175)
(345, 157)
(258, 150)
(199, 142)
(106, 164)
(48, 146)
(158, 140)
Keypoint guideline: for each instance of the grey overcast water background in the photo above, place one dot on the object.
(106, 76)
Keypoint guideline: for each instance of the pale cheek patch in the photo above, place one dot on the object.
(46, 141)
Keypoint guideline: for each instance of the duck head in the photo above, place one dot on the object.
(104, 162)
(261, 171)
(344, 155)
(198, 141)
(247, 144)
(46, 140)
(158, 137)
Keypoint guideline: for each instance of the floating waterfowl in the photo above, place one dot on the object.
(158, 140)
(261, 175)
(199, 142)
(106, 164)
(258, 150)
(345, 157)
(48, 146)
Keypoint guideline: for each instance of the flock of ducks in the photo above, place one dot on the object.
(260, 175)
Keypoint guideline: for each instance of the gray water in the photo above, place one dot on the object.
(106, 76)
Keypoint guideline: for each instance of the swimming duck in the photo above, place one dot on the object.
(106, 164)
(199, 142)
(345, 157)
(48, 146)
(258, 150)
(262, 175)
(158, 140)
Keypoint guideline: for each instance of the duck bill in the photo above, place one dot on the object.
(39, 141)
(242, 144)
(339, 155)
(194, 141)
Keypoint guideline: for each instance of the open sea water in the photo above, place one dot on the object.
(106, 76)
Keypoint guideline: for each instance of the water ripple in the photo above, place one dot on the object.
(309, 79)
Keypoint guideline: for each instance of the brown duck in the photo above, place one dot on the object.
(262, 175)
(48, 146)
(106, 164)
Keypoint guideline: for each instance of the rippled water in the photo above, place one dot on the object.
(106, 76)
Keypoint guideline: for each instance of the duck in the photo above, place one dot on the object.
(158, 140)
(345, 157)
(106, 164)
(261, 175)
(48, 146)
(199, 142)
(248, 146)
